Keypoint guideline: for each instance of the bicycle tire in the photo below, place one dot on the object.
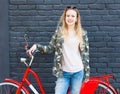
(9, 88)
(103, 88)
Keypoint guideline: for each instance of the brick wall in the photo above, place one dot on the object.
(38, 18)
(4, 40)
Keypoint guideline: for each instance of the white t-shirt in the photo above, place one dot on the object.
(72, 61)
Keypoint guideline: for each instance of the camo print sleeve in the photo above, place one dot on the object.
(85, 55)
(48, 48)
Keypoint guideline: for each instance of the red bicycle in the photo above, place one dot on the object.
(95, 85)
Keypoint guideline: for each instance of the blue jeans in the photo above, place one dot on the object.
(72, 79)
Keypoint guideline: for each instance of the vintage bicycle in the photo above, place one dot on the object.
(94, 85)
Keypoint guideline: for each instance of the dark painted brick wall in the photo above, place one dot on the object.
(38, 18)
(4, 40)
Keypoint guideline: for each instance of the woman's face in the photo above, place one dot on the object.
(71, 17)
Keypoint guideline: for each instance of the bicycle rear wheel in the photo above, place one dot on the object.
(105, 89)
(9, 88)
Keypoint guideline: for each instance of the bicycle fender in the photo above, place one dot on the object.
(17, 83)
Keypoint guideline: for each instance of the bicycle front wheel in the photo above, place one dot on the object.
(105, 89)
(9, 88)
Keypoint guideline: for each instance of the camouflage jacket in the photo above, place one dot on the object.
(55, 45)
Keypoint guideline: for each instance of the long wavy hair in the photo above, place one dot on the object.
(78, 27)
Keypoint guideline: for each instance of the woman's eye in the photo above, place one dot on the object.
(73, 16)
(68, 15)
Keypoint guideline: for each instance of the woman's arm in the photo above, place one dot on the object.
(47, 48)
(44, 48)
(86, 55)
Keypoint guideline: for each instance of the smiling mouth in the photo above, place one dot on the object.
(70, 21)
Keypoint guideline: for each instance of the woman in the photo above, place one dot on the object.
(70, 44)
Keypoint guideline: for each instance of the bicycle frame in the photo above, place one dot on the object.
(88, 87)
(25, 80)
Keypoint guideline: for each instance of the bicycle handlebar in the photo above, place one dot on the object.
(23, 60)
(32, 58)
(26, 46)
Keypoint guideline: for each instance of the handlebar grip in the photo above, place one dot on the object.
(34, 53)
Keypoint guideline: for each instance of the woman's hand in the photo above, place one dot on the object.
(31, 50)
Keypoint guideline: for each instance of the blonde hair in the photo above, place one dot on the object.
(78, 27)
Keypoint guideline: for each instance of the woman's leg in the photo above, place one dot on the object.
(76, 82)
(62, 84)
